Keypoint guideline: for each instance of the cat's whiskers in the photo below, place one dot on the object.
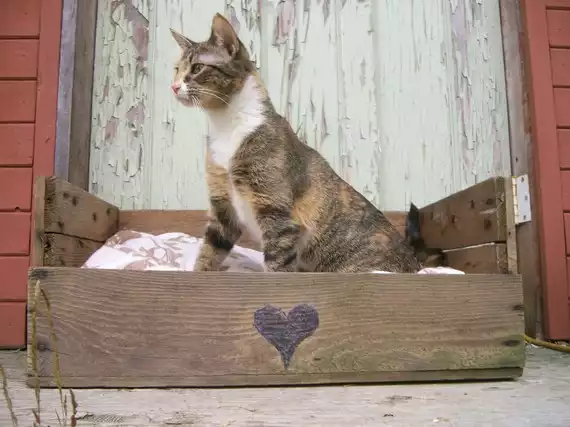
(212, 94)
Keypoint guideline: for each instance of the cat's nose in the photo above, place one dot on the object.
(175, 88)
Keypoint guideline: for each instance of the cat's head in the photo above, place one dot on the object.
(209, 73)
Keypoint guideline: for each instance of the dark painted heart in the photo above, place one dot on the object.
(286, 331)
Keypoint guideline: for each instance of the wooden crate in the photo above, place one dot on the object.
(118, 328)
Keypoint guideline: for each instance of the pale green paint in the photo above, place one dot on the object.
(406, 99)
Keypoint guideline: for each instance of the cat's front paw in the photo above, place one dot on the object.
(206, 265)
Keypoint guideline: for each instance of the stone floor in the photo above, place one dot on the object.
(541, 398)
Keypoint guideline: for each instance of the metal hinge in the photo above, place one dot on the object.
(521, 199)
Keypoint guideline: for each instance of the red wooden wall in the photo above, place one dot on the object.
(29, 67)
(547, 34)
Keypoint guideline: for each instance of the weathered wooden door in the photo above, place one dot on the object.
(406, 99)
(547, 24)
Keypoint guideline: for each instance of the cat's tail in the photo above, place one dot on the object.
(429, 257)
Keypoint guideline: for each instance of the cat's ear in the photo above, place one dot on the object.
(183, 41)
(224, 35)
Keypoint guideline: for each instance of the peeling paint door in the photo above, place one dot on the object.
(406, 99)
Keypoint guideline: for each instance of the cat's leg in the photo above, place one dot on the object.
(222, 232)
(281, 236)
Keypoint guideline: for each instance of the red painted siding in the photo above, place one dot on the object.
(547, 33)
(29, 48)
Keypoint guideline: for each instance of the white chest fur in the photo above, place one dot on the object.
(228, 129)
(230, 126)
(246, 215)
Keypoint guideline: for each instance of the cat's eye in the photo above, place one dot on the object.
(196, 68)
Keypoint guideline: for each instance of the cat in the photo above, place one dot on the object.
(264, 181)
(429, 257)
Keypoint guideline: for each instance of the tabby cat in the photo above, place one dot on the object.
(263, 180)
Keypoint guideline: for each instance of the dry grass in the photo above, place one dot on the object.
(64, 418)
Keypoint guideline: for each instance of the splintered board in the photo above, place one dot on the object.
(183, 329)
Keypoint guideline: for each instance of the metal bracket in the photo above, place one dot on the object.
(521, 199)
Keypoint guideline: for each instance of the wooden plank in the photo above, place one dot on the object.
(510, 227)
(262, 380)
(67, 251)
(19, 58)
(16, 144)
(567, 231)
(201, 326)
(490, 258)
(15, 189)
(562, 105)
(193, 222)
(560, 4)
(560, 63)
(521, 151)
(72, 211)
(564, 148)
(38, 222)
(17, 101)
(473, 216)
(558, 27)
(46, 102)
(14, 278)
(12, 324)
(75, 92)
(15, 232)
(20, 18)
(565, 180)
(548, 186)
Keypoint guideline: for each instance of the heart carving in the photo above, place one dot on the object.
(286, 331)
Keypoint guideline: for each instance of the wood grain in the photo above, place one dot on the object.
(37, 239)
(115, 328)
(17, 101)
(12, 324)
(490, 258)
(16, 144)
(522, 156)
(14, 278)
(75, 212)
(15, 189)
(510, 227)
(46, 99)
(562, 105)
(20, 18)
(19, 58)
(558, 28)
(193, 222)
(564, 148)
(565, 181)
(15, 232)
(74, 92)
(474, 216)
(397, 405)
(567, 231)
(560, 63)
(67, 251)
(560, 4)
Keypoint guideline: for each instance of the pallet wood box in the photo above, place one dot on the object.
(118, 328)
